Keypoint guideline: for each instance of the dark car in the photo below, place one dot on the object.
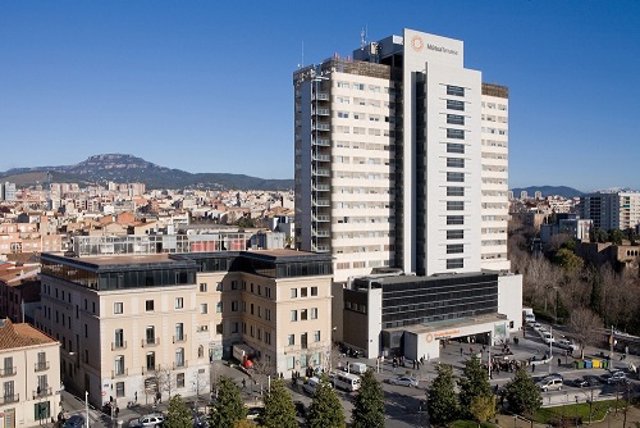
(301, 410)
(75, 421)
(581, 382)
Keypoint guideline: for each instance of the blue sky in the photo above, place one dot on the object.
(205, 86)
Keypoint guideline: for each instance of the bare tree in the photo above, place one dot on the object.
(166, 381)
(583, 322)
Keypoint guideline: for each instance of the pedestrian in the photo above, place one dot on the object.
(414, 364)
(461, 351)
(533, 368)
(117, 411)
(244, 383)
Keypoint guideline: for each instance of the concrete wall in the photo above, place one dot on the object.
(510, 299)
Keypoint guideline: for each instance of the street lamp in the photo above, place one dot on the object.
(86, 406)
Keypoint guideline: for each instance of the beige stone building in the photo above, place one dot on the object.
(29, 376)
(133, 326)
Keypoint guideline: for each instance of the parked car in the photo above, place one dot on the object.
(582, 382)
(255, 413)
(153, 420)
(301, 410)
(547, 338)
(75, 421)
(617, 377)
(537, 326)
(550, 384)
(404, 381)
(566, 344)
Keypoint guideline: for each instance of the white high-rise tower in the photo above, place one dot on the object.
(401, 160)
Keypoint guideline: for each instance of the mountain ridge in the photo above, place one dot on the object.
(548, 190)
(126, 168)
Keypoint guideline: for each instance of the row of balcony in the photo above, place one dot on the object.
(324, 142)
(37, 367)
(146, 370)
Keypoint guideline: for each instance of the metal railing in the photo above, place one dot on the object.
(42, 392)
(8, 371)
(6, 399)
(118, 345)
(147, 342)
(123, 373)
(180, 365)
(178, 339)
(41, 366)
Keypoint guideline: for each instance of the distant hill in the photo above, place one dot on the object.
(123, 168)
(567, 192)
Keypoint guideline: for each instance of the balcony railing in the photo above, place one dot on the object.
(116, 374)
(179, 365)
(42, 392)
(41, 366)
(8, 371)
(118, 345)
(148, 342)
(147, 370)
(322, 142)
(7, 399)
(321, 96)
(178, 339)
(322, 127)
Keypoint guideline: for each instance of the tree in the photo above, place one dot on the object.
(483, 408)
(568, 260)
(178, 415)
(325, 410)
(368, 409)
(244, 423)
(279, 411)
(616, 236)
(228, 407)
(473, 383)
(442, 401)
(522, 394)
(583, 322)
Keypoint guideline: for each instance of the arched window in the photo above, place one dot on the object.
(200, 351)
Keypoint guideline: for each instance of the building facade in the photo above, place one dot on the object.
(29, 376)
(401, 160)
(135, 326)
(612, 210)
(401, 165)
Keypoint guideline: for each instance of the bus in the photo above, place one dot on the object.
(347, 381)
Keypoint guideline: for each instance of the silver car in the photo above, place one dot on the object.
(404, 381)
(153, 420)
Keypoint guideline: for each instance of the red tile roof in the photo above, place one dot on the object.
(13, 336)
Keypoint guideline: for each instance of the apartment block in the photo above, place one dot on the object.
(612, 210)
(29, 376)
(134, 326)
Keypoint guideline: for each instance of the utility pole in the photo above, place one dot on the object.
(611, 342)
(550, 348)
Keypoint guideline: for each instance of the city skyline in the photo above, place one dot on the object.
(84, 79)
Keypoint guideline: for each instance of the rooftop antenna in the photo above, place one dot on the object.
(363, 38)
(301, 56)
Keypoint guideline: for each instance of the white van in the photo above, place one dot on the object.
(347, 382)
(311, 385)
(550, 384)
(358, 368)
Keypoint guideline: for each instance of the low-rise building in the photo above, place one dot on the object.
(29, 376)
(133, 326)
